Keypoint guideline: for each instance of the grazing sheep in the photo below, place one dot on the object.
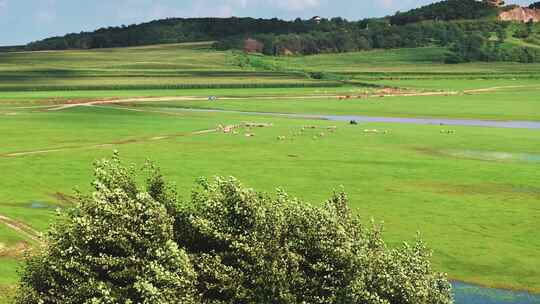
(250, 135)
(353, 122)
(257, 125)
(322, 134)
(448, 131)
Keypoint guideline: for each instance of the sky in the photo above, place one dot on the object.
(23, 21)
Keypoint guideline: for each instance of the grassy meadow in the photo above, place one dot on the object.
(472, 194)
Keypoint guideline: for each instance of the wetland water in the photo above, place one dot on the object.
(512, 124)
(471, 294)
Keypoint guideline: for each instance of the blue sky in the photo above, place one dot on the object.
(22, 21)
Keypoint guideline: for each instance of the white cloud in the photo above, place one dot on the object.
(388, 4)
(46, 12)
(45, 16)
(3, 6)
(297, 5)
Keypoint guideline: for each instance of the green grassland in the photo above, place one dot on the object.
(425, 62)
(478, 214)
(473, 195)
(504, 104)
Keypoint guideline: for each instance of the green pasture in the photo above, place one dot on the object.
(418, 62)
(478, 214)
(473, 195)
(43, 98)
(504, 104)
(461, 85)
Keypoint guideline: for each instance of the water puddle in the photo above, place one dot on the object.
(512, 124)
(40, 205)
(473, 294)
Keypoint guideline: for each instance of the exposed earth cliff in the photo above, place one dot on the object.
(523, 14)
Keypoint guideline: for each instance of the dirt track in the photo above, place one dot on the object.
(104, 145)
(21, 228)
(69, 105)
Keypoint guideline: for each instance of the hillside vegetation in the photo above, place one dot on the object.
(446, 10)
(468, 28)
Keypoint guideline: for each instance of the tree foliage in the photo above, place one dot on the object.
(127, 243)
(445, 11)
(172, 30)
(116, 246)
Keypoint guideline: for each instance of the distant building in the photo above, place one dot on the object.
(253, 46)
(317, 19)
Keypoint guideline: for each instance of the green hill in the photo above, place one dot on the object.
(446, 10)
(466, 27)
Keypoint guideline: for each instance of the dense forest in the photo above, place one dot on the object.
(173, 30)
(466, 40)
(466, 27)
(445, 11)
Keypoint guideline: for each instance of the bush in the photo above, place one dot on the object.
(227, 244)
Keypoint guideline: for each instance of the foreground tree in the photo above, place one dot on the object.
(115, 246)
(228, 244)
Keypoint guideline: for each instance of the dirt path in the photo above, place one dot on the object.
(494, 89)
(105, 145)
(199, 98)
(379, 93)
(21, 228)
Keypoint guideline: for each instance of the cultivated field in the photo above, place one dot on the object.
(472, 192)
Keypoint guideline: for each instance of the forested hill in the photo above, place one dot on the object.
(467, 28)
(175, 30)
(445, 11)
(172, 30)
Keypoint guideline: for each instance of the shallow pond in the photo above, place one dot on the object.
(472, 294)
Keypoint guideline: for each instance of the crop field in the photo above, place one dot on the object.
(472, 192)
(151, 67)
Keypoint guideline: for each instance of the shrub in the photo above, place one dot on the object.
(227, 244)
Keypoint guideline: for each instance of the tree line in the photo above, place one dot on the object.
(176, 30)
(467, 40)
(445, 11)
